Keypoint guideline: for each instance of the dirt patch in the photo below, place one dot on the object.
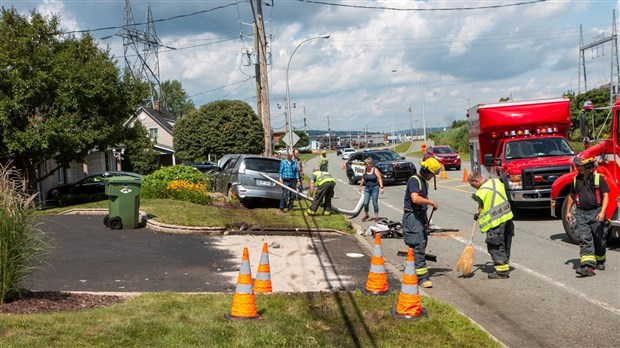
(56, 301)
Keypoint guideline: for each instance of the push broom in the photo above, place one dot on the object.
(466, 262)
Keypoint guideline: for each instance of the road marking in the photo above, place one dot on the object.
(546, 279)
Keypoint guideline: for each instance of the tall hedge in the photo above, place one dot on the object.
(218, 128)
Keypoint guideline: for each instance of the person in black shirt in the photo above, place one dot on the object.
(589, 193)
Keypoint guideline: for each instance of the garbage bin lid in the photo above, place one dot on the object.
(123, 180)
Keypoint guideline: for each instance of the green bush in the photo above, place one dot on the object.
(156, 185)
(21, 244)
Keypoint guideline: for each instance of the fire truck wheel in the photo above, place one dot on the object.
(569, 227)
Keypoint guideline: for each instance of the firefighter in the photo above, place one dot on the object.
(415, 222)
(323, 161)
(590, 194)
(495, 220)
(322, 187)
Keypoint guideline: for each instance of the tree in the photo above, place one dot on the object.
(600, 98)
(218, 128)
(59, 97)
(140, 157)
(177, 101)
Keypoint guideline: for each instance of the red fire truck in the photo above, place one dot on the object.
(607, 153)
(524, 144)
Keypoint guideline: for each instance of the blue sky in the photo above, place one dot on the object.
(382, 57)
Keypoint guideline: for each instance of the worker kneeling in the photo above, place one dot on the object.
(322, 187)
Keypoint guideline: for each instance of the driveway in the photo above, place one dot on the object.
(87, 256)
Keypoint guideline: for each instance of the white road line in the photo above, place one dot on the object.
(544, 278)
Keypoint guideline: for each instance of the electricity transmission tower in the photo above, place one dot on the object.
(614, 83)
(141, 51)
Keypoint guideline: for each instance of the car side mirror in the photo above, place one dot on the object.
(489, 161)
(402, 157)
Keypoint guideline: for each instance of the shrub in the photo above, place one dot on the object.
(21, 244)
(177, 182)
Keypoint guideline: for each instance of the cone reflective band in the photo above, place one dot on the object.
(409, 305)
(262, 283)
(377, 284)
(244, 302)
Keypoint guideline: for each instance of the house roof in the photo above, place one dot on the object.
(163, 118)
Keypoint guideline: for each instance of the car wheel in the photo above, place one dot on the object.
(351, 177)
(116, 223)
(569, 227)
(106, 221)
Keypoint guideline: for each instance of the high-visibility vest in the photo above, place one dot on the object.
(323, 159)
(322, 177)
(597, 189)
(496, 208)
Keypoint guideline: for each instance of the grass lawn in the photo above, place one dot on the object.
(340, 319)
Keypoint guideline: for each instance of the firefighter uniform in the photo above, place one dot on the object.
(323, 161)
(322, 184)
(495, 220)
(415, 221)
(588, 192)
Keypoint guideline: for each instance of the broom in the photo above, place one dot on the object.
(466, 262)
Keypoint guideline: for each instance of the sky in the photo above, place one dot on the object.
(386, 66)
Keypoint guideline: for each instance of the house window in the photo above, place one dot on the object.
(61, 176)
(153, 133)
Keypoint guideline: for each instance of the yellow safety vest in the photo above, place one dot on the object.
(323, 159)
(496, 208)
(322, 177)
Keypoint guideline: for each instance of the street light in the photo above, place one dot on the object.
(289, 123)
(423, 115)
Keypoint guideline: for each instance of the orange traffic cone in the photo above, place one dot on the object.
(465, 175)
(262, 283)
(443, 175)
(244, 301)
(409, 305)
(376, 284)
(344, 165)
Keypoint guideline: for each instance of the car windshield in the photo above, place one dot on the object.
(538, 147)
(443, 150)
(384, 156)
(265, 165)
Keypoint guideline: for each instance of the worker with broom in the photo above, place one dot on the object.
(415, 222)
(495, 219)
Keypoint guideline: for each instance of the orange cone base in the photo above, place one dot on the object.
(376, 293)
(234, 317)
(397, 315)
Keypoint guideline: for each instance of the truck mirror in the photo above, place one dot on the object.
(489, 160)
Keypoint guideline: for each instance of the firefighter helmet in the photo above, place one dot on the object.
(578, 161)
(588, 105)
(323, 152)
(432, 165)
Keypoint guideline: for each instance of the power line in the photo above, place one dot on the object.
(423, 9)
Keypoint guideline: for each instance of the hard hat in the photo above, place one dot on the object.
(578, 161)
(323, 152)
(588, 105)
(432, 165)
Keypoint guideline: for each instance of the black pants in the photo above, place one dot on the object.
(416, 237)
(323, 196)
(592, 237)
(499, 241)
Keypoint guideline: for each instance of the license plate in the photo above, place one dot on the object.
(267, 183)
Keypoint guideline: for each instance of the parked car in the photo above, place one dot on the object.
(339, 149)
(92, 185)
(240, 176)
(204, 167)
(395, 168)
(346, 153)
(224, 159)
(445, 155)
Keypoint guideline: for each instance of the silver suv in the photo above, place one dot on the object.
(240, 176)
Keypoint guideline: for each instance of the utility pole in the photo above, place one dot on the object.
(262, 86)
(411, 122)
(305, 125)
(329, 134)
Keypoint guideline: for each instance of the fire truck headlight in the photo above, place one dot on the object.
(514, 182)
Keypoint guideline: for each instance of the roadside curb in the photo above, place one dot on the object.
(157, 226)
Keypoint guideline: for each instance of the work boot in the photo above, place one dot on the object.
(600, 266)
(426, 283)
(499, 275)
(586, 271)
(327, 212)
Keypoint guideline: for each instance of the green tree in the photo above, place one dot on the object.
(600, 98)
(177, 101)
(60, 97)
(140, 157)
(218, 128)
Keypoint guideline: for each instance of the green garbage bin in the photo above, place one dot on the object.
(124, 206)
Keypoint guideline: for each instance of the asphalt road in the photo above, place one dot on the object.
(543, 304)
(87, 256)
